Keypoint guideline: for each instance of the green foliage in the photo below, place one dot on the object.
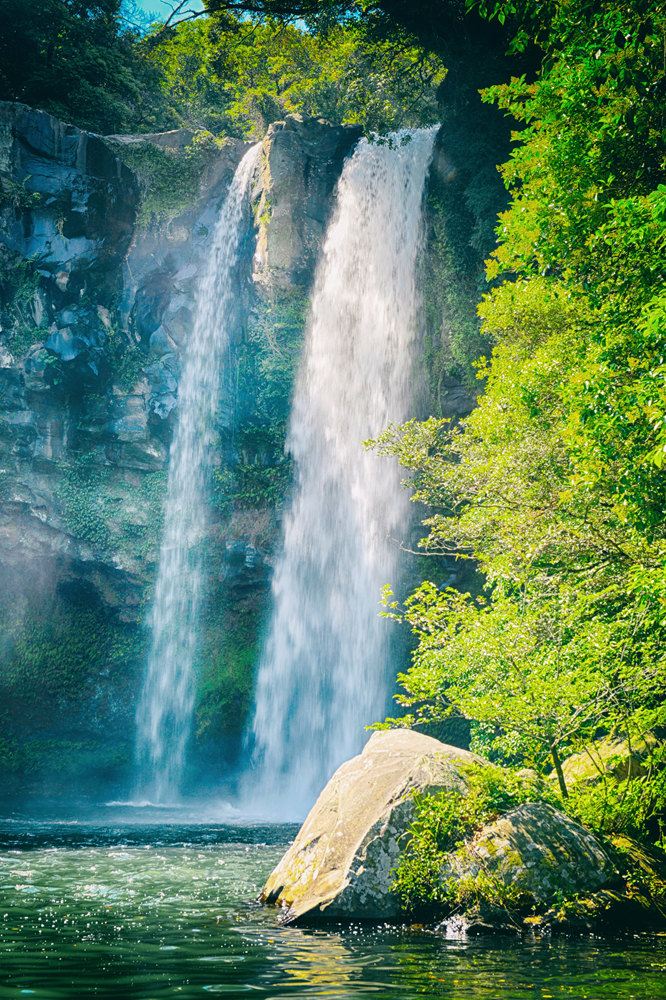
(36, 765)
(78, 60)
(19, 283)
(16, 196)
(230, 650)
(232, 74)
(262, 474)
(450, 289)
(442, 823)
(66, 664)
(18, 277)
(169, 179)
(251, 485)
(485, 891)
(464, 197)
(126, 360)
(50, 659)
(22, 337)
(55, 659)
(555, 485)
(626, 806)
(236, 75)
(643, 873)
(82, 496)
(107, 512)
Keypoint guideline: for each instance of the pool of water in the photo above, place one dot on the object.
(136, 911)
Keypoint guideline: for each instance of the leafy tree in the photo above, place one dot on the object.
(230, 73)
(237, 76)
(555, 485)
(75, 59)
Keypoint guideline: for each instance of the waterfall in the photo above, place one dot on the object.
(165, 709)
(324, 673)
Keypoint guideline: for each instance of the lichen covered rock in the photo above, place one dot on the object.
(536, 851)
(342, 861)
(614, 758)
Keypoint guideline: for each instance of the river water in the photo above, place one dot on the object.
(130, 911)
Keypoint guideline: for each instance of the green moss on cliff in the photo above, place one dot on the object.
(451, 278)
(261, 474)
(69, 669)
(229, 654)
(19, 282)
(109, 511)
(169, 178)
(81, 492)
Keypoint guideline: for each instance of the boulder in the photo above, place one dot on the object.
(537, 850)
(607, 758)
(341, 863)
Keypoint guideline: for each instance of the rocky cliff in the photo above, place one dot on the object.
(101, 244)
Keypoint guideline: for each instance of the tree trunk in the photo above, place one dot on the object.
(557, 763)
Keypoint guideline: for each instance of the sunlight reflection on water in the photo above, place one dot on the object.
(144, 913)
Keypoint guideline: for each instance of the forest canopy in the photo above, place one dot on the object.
(231, 73)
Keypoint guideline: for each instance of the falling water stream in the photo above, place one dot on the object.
(324, 673)
(165, 708)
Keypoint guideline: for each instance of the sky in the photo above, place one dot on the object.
(159, 10)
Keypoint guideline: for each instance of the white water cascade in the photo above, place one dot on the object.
(324, 673)
(165, 709)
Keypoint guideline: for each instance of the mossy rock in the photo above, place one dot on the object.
(537, 853)
(606, 758)
(342, 862)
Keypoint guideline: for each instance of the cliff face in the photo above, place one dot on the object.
(67, 216)
(99, 265)
(101, 245)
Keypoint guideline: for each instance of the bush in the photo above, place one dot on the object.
(443, 822)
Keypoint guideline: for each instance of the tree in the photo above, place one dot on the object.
(555, 484)
(236, 76)
(75, 59)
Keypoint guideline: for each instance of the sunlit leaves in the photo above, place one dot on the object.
(238, 76)
(556, 483)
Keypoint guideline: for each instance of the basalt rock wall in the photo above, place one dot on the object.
(101, 245)
(102, 241)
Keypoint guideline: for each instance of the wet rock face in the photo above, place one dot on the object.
(77, 204)
(92, 365)
(67, 214)
(341, 864)
(302, 162)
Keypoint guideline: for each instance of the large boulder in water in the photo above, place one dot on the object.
(341, 863)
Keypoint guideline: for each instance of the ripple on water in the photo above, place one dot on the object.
(107, 913)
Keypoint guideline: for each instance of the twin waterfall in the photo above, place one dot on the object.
(325, 670)
(164, 714)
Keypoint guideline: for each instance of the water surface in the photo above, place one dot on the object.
(131, 911)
